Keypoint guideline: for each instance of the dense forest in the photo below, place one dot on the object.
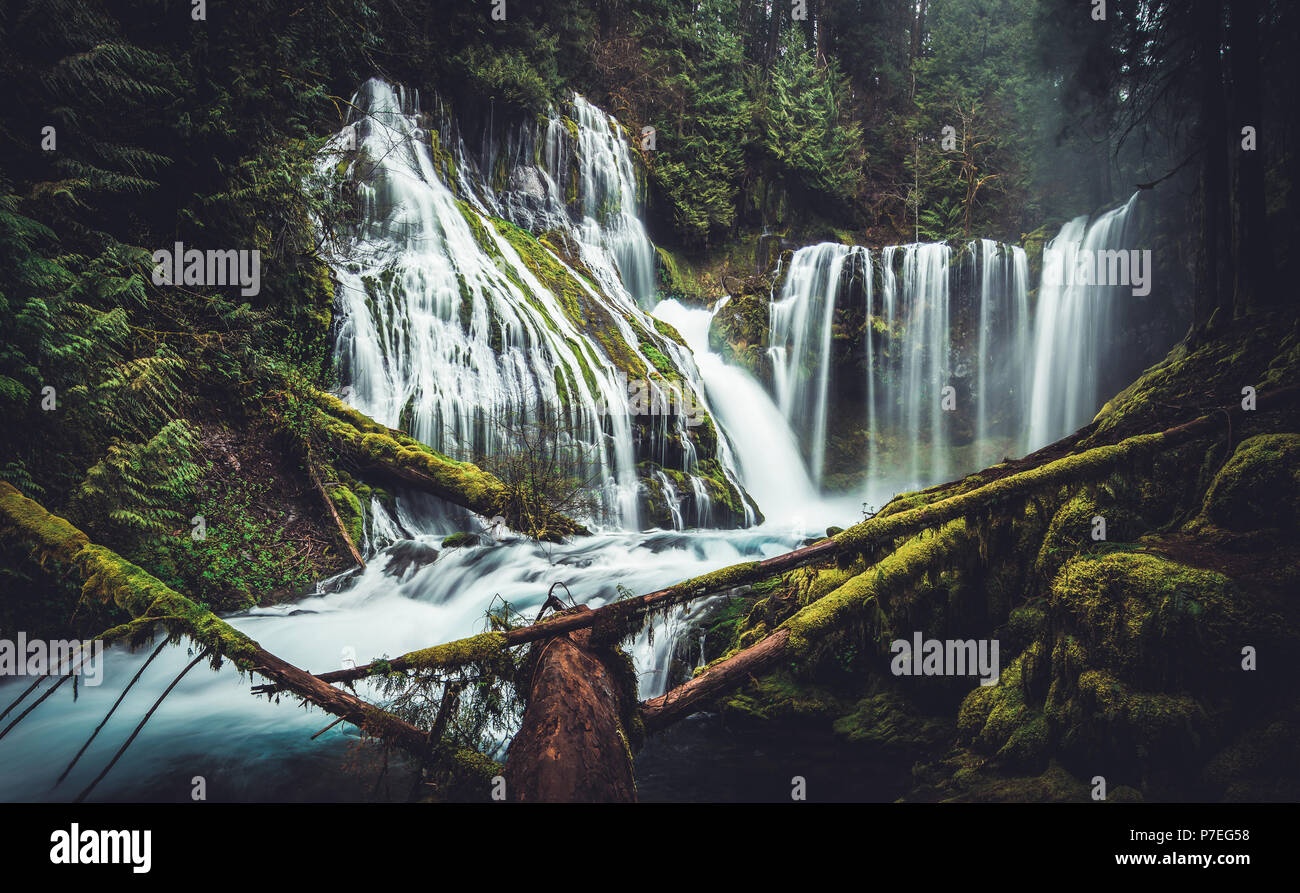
(185, 458)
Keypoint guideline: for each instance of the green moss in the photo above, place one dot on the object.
(1088, 465)
(1258, 487)
(109, 578)
(461, 540)
(778, 697)
(885, 721)
(739, 332)
(485, 648)
(983, 784)
(865, 591)
(463, 483)
(1153, 620)
(350, 511)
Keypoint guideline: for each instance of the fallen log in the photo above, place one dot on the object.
(798, 633)
(571, 746)
(392, 454)
(334, 512)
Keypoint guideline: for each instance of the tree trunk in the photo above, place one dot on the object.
(1211, 293)
(571, 746)
(1254, 284)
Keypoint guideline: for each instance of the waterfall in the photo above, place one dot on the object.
(770, 465)
(445, 329)
(611, 211)
(1074, 335)
(917, 432)
(670, 496)
(801, 326)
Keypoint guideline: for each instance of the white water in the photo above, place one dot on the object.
(1075, 334)
(770, 464)
(250, 749)
(909, 350)
(1021, 380)
(445, 331)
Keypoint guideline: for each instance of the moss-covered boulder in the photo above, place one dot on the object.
(1259, 487)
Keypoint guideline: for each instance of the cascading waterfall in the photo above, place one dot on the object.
(1075, 330)
(767, 455)
(438, 335)
(801, 322)
(909, 349)
(611, 212)
(446, 332)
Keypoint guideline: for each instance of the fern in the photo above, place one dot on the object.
(141, 486)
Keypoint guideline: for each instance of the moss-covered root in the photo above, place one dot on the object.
(391, 452)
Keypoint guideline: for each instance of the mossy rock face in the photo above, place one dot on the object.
(739, 332)
(966, 778)
(677, 280)
(461, 540)
(1259, 487)
(1086, 521)
(1251, 354)
(1157, 623)
(1129, 734)
(779, 697)
(997, 720)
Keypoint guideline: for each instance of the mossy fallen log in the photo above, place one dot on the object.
(63, 549)
(339, 526)
(391, 453)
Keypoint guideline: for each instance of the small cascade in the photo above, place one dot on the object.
(610, 206)
(703, 503)
(767, 455)
(382, 529)
(1076, 326)
(670, 496)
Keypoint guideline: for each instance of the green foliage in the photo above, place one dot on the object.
(802, 130)
(138, 486)
(701, 112)
(244, 555)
